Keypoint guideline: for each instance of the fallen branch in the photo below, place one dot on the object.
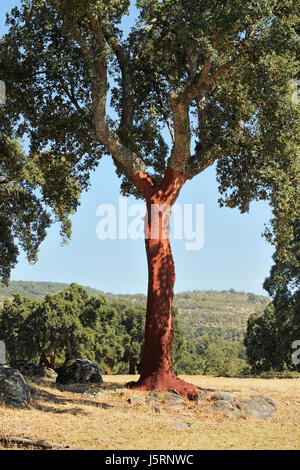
(24, 441)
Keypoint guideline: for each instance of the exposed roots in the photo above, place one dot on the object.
(165, 382)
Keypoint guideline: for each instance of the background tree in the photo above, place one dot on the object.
(219, 77)
(47, 328)
(270, 336)
(132, 322)
(261, 341)
(15, 328)
(26, 213)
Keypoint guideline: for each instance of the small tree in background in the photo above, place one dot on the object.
(219, 77)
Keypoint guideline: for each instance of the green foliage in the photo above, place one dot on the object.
(14, 328)
(221, 357)
(71, 323)
(217, 313)
(261, 341)
(23, 219)
(54, 61)
(270, 336)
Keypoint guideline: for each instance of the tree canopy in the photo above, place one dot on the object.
(71, 324)
(217, 77)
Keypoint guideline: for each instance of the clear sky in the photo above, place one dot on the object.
(234, 255)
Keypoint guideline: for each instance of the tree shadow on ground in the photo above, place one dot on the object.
(41, 399)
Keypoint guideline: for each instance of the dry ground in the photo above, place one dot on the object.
(65, 418)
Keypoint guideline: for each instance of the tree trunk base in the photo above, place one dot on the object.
(165, 382)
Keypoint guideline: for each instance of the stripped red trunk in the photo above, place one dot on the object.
(44, 361)
(156, 368)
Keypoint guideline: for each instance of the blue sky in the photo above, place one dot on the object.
(234, 255)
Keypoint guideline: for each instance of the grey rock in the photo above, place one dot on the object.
(135, 399)
(263, 397)
(156, 408)
(257, 407)
(50, 373)
(29, 369)
(90, 396)
(78, 371)
(94, 395)
(101, 394)
(201, 396)
(14, 390)
(172, 397)
(235, 413)
(155, 395)
(221, 406)
(152, 402)
(226, 396)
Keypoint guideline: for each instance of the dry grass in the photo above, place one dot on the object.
(65, 418)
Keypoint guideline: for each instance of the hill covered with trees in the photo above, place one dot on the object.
(222, 313)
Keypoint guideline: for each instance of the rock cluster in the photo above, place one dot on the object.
(225, 403)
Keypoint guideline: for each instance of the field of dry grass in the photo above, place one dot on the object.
(64, 417)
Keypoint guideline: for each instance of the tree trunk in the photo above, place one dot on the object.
(156, 368)
(52, 359)
(44, 361)
(132, 365)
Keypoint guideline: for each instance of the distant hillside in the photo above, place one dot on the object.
(210, 312)
(36, 290)
(200, 312)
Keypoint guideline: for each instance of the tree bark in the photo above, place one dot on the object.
(44, 361)
(156, 368)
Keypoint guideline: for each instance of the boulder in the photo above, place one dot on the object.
(260, 408)
(221, 406)
(29, 368)
(202, 396)
(226, 396)
(14, 390)
(78, 371)
(50, 373)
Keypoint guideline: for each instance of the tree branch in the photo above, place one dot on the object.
(128, 92)
(128, 160)
(224, 68)
(182, 135)
(196, 165)
(71, 96)
(180, 104)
